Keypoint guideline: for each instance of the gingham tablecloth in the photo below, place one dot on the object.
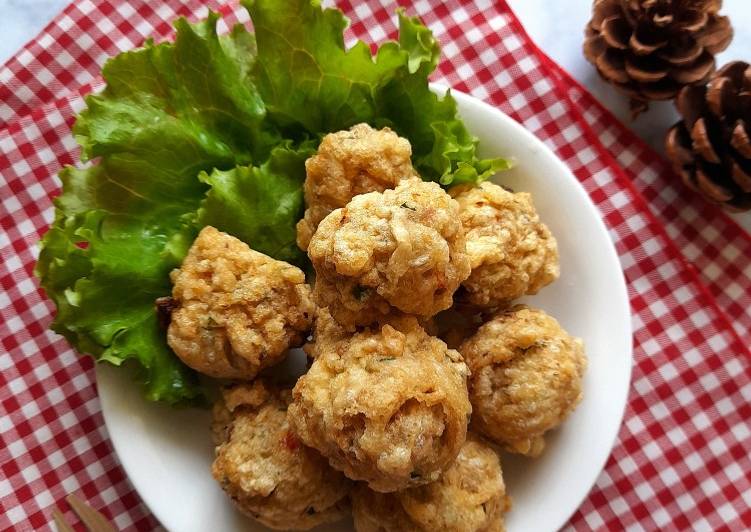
(682, 459)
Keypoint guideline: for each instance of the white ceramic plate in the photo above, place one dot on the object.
(167, 453)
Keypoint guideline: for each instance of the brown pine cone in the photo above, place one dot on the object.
(650, 49)
(711, 147)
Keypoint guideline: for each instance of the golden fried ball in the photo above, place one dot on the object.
(401, 248)
(348, 163)
(265, 469)
(386, 405)
(526, 378)
(470, 496)
(512, 252)
(238, 311)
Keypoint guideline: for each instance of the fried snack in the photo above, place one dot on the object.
(267, 472)
(511, 251)
(238, 311)
(386, 405)
(401, 248)
(470, 496)
(526, 378)
(348, 163)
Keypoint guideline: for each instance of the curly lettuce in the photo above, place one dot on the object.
(311, 83)
(215, 130)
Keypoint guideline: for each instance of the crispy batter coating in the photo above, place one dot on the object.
(512, 252)
(401, 248)
(348, 163)
(386, 405)
(239, 310)
(470, 496)
(265, 469)
(526, 378)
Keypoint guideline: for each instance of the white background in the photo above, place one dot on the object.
(556, 25)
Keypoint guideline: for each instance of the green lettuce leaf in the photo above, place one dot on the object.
(311, 83)
(213, 130)
(260, 205)
(177, 106)
(169, 112)
(108, 310)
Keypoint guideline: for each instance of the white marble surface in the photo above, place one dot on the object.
(557, 26)
(21, 20)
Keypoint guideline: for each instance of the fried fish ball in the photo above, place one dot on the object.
(526, 378)
(264, 468)
(238, 311)
(470, 496)
(402, 248)
(349, 163)
(511, 251)
(386, 405)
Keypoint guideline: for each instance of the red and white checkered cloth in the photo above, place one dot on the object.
(683, 456)
(717, 250)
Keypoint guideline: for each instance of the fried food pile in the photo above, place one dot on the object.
(412, 339)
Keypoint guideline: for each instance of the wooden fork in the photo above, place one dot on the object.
(93, 520)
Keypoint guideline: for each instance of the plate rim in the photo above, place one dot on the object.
(464, 99)
(612, 256)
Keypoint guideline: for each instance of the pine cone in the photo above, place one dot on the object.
(650, 49)
(711, 147)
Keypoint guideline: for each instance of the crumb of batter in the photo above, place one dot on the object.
(237, 311)
(326, 333)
